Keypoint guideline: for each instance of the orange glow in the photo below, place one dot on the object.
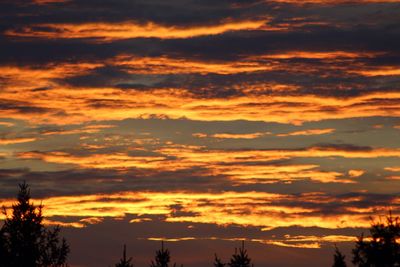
(242, 208)
(393, 169)
(200, 135)
(356, 173)
(318, 55)
(267, 174)
(127, 30)
(6, 124)
(264, 62)
(165, 65)
(24, 78)
(239, 169)
(117, 160)
(116, 104)
(231, 135)
(308, 132)
(384, 71)
(88, 129)
(16, 141)
(288, 241)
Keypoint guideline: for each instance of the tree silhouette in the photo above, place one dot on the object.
(382, 250)
(124, 262)
(162, 258)
(3, 251)
(338, 259)
(218, 262)
(24, 240)
(240, 259)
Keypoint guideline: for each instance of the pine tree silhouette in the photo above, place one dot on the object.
(383, 250)
(124, 262)
(218, 262)
(240, 259)
(162, 258)
(24, 239)
(338, 259)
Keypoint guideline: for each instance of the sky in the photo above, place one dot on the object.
(202, 123)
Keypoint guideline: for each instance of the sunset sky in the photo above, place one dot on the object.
(202, 123)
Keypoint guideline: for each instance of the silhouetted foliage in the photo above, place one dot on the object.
(218, 262)
(240, 259)
(123, 261)
(162, 258)
(25, 242)
(338, 259)
(382, 250)
(2, 248)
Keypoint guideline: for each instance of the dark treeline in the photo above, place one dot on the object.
(26, 242)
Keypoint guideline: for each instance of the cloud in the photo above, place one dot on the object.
(85, 105)
(308, 132)
(382, 71)
(6, 124)
(16, 141)
(127, 30)
(238, 166)
(257, 209)
(313, 242)
(185, 117)
(356, 173)
(393, 169)
(231, 135)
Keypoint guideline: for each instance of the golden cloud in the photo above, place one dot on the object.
(130, 29)
(16, 141)
(242, 208)
(356, 173)
(308, 132)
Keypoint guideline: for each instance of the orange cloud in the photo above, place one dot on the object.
(383, 71)
(25, 78)
(241, 208)
(231, 135)
(308, 132)
(167, 65)
(128, 29)
(6, 124)
(263, 62)
(16, 141)
(288, 241)
(62, 104)
(319, 55)
(116, 104)
(393, 169)
(117, 160)
(238, 136)
(200, 135)
(87, 130)
(245, 166)
(268, 174)
(356, 173)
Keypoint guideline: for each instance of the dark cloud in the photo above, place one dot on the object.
(22, 107)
